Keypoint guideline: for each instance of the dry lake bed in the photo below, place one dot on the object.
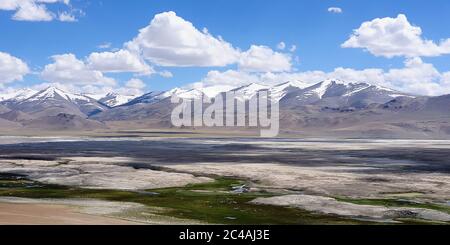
(159, 180)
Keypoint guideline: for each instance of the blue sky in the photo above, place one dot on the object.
(317, 34)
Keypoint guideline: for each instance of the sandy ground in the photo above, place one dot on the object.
(26, 211)
(66, 212)
(45, 214)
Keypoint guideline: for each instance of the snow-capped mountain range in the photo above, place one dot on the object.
(53, 93)
(301, 91)
(336, 93)
(331, 107)
(52, 101)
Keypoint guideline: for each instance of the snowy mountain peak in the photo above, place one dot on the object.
(334, 81)
(279, 91)
(190, 94)
(321, 89)
(248, 91)
(336, 93)
(17, 95)
(252, 87)
(54, 93)
(113, 99)
(213, 91)
(174, 91)
(183, 93)
(51, 92)
(336, 87)
(294, 84)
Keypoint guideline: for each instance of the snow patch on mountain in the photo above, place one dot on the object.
(248, 91)
(115, 99)
(321, 89)
(183, 93)
(278, 92)
(357, 89)
(190, 94)
(213, 91)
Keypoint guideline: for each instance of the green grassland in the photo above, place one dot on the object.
(210, 202)
(213, 202)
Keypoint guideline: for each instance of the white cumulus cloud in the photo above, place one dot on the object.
(11, 68)
(170, 40)
(390, 37)
(35, 10)
(120, 61)
(416, 77)
(264, 59)
(70, 70)
(132, 87)
(135, 83)
(230, 78)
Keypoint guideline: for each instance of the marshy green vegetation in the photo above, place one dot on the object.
(213, 202)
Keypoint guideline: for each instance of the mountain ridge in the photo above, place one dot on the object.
(329, 108)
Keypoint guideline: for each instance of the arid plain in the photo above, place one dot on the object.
(190, 178)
